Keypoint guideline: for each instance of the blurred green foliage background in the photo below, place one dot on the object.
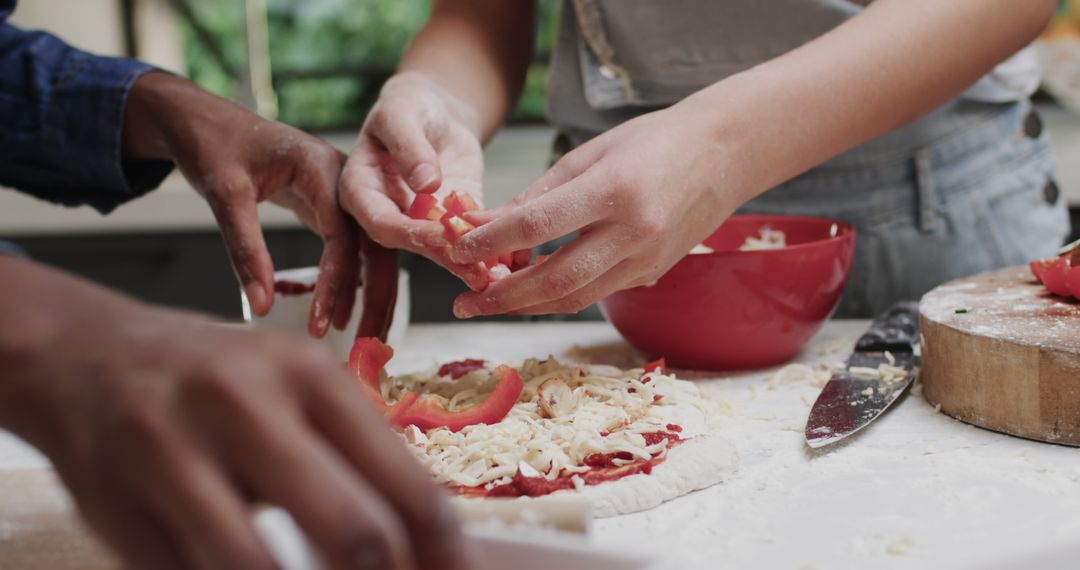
(330, 57)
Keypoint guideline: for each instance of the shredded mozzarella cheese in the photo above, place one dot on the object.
(768, 239)
(612, 409)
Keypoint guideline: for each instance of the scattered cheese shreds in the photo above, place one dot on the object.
(801, 373)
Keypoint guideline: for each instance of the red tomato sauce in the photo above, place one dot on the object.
(460, 368)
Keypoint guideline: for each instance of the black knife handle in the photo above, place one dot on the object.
(895, 330)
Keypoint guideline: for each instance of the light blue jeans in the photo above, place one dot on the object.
(966, 189)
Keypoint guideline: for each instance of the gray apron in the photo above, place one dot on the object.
(968, 187)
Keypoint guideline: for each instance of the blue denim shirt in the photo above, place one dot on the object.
(61, 122)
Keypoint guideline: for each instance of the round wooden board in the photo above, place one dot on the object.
(1000, 352)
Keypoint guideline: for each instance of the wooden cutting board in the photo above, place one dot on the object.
(1000, 352)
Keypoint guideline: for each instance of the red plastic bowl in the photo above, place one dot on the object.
(734, 309)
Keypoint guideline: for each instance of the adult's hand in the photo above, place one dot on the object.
(640, 197)
(418, 138)
(236, 159)
(167, 428)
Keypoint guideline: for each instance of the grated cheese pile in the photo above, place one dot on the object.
(599, 410)
(767, 238)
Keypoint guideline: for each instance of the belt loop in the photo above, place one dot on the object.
(926, 200)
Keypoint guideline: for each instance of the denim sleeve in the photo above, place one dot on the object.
(8, 248)
(61, 122)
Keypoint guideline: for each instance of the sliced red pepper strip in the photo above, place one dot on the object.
(1054, 277)
(457, 203)
(1038, 268)
(1072, 280)
(658, 365)
(429, 414)
(394, 413)
(367, 359)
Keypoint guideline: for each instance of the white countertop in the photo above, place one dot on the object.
(914, 490)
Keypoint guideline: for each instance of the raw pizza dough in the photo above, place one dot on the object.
(696, 464)
(703, 458)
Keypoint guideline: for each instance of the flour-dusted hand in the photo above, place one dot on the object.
(169, 429)
(418, 139)
(236, 159)
(640, 197)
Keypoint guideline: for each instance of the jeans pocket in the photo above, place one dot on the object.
(1028, 221)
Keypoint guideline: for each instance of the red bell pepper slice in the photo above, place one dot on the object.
(1038, 268)
(659, 366)
(457, 203)
(367, 359)
(429, 414)
(455, 227)
(393, 413)
(426, 207)
(1072, 280)
(1054, 277)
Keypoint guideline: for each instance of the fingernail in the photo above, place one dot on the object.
(257, 299)
(318, 320)
(464, 309)
(422, 176)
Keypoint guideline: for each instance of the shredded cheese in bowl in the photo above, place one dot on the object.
(631, 415)
(767, 238)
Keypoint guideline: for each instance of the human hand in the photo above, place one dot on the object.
(417, 139)
(236, 159)
(640, 197)
(168, 429)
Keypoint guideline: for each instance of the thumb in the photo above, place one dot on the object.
(412, 152)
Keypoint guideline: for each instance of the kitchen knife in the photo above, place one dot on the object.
(883, 365)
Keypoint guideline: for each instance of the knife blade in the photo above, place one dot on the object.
(884, 363)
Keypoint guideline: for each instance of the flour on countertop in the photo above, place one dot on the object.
(890, 497)
(980, 497)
